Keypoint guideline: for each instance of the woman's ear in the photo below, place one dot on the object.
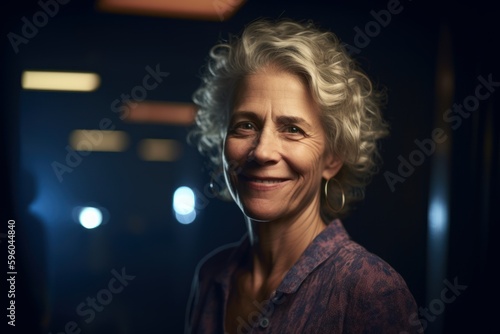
(332, 166)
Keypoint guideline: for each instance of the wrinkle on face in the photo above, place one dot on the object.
(275, 130)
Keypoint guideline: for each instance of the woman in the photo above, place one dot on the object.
(293, 124)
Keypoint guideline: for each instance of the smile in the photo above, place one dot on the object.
(262, 183)
(265, 181)
(261, 179)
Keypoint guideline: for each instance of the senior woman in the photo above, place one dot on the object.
(293, 125)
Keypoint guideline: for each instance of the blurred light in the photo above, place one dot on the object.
(159, 149)
(186, 219)
(98, 140)
(183, 200)
(66, 81)
(219, 10)
(160, 113)
(90, 217)
(183, 203)
(438, 217)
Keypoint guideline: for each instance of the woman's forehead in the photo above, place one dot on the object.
(273, 90)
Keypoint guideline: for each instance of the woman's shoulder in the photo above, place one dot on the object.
(217, 260)
(355, 264)
(377, 296)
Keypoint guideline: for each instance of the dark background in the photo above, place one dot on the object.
(61, 264)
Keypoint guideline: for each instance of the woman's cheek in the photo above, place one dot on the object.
(302, 158)
(234, 159)
(236, 150)
(229, 153)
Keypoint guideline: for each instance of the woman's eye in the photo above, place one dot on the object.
(243, 127)
(246, 126)
(294, 129)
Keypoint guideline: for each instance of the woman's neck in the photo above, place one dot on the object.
(277, 245)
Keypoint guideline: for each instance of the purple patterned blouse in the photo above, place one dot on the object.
(336, 286)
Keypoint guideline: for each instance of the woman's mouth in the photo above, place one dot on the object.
(261, 182)
(270, 181)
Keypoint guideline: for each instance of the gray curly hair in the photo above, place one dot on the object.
(350, 106)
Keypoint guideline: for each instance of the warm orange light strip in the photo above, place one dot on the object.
(99, 140)
(63, 81)
(161, 112)
(151, 149)
(194, 9)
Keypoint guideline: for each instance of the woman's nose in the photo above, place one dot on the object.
(266, 148)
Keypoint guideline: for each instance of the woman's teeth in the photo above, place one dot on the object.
(267, 181)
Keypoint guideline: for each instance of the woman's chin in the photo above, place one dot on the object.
(260, 214)
(262, 209)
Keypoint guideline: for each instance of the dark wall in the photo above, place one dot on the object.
(475, 170)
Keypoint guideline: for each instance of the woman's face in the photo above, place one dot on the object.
(276, 150)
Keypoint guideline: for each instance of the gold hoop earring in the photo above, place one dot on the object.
(326, 196)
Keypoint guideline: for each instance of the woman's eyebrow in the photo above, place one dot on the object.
(247, 115)
(279, 120)
(292, 120)
(243, 114)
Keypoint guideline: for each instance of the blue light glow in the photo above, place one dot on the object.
(183, 203)
(90, 217)
(438, 216)
(186, 219)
